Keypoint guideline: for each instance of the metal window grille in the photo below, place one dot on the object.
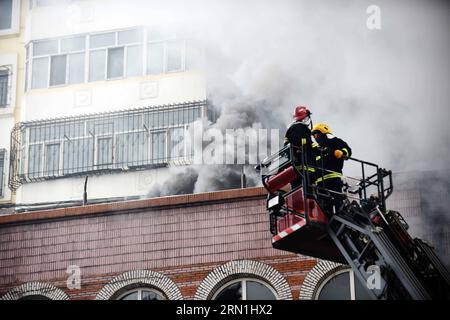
(114, 141)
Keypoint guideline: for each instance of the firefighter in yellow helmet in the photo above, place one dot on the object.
(331, 162)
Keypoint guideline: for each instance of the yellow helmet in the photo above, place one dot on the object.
(321, 127)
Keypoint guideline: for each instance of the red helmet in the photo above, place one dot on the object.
(301, 113)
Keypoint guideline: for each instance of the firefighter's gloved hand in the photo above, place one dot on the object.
(338, 154)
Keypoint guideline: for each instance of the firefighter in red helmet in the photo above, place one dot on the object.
(299, 135)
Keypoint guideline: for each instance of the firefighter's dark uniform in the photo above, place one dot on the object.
(330, 177)
(299, 135)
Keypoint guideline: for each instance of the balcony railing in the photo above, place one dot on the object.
(115, 141)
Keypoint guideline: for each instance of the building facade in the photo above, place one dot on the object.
(201, 246)
(87, 89)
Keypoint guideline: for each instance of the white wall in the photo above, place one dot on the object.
(99, 186)
(113, 95)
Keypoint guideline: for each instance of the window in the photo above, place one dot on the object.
(110, 55)
(176, 147)
(155, 58)
(5, 14)
(52, 158)
(142, 294)
(159, 147)
(342, 285)
(115, 54)
(34, 160)
(2, 170)
(132, 148)
(245, 289)
(57, 62)
(58, 70)
(174, 56)
(104, 151)
(115, 62)
(5, 78)
(40, 73)
(9, 17)
(97, 65)
(134, 61)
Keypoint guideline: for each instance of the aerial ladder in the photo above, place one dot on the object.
(362, 232)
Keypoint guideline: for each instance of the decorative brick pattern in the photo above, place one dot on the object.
(315, 277)
(36, 288)
(140, 278)
(243, 268)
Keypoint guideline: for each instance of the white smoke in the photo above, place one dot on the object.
(383, 91)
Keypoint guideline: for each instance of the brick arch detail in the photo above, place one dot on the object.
(316, 276)
(36, 288)
(243, 268)
(137, 278)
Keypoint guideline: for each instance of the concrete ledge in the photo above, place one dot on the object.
(180, 200)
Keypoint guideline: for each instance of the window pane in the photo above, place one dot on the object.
(130, 36)
(27, 70)
(258, 291)
(76, 68)
(58, 70)
(45, 47)
(5, 14)
(78, 155)
(174, 56)
(40, 73)
(52, 159)
(97, 65)
(360, 291)
(34, 160)
(132, 149)
(130, 296)
(337, 288)
(115, 62)
(155, 58)
(176, 143)
(4, 75)
(73, 44)
(158, 147)
(134, 61)
(232, 292)
(104, 151)
(102, 40)
(154, 34)
(151, 295)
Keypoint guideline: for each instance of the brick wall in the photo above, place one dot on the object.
(184, 238)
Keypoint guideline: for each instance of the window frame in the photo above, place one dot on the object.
(8, 68)
(335, 274)
(15, 20)
(244, 287)
(142, 43)
(139, 290)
